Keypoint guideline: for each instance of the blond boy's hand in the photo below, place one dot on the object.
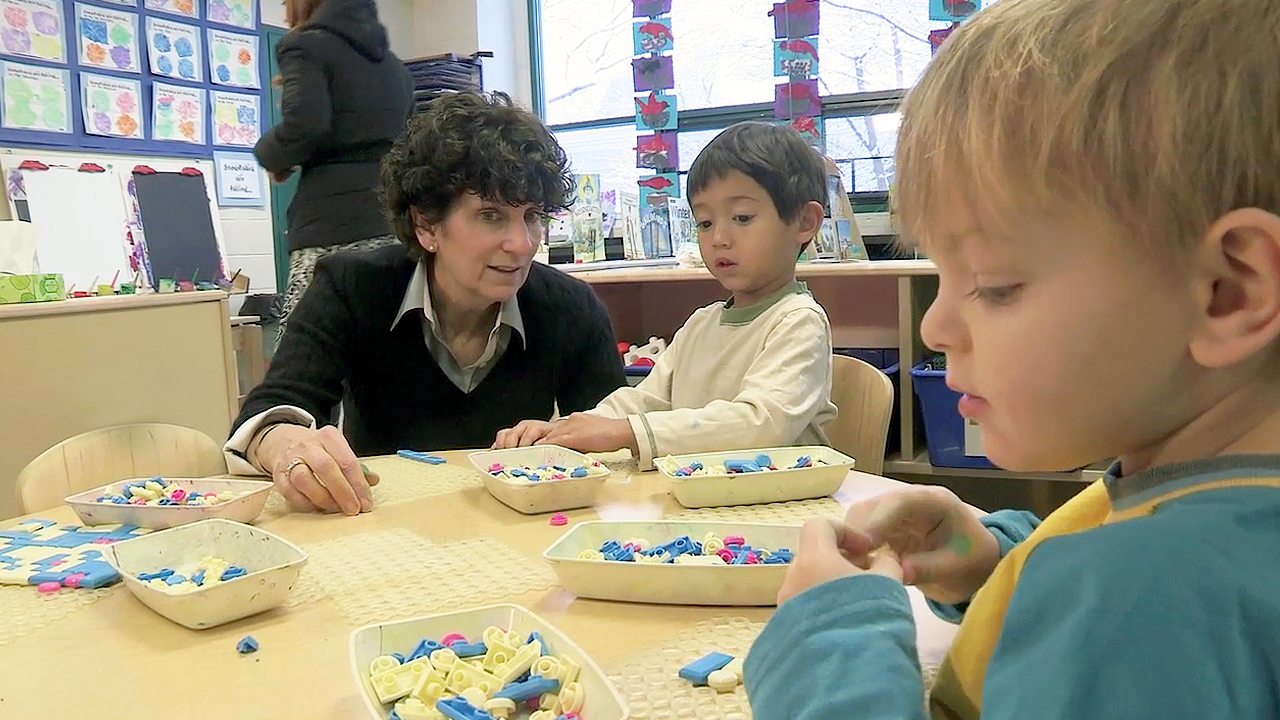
(586, 432)
(829, 551)
(944, 549)
(525, 433)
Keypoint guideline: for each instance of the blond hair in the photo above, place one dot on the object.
(1156, 116)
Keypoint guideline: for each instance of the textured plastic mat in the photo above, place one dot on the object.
(795, 512)
(24, 610)
(402, 480)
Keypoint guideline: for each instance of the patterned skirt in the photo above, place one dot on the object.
(302, 267)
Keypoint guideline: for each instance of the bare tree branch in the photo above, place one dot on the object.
(878, 16)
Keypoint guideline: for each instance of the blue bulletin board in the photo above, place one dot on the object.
(141, 77)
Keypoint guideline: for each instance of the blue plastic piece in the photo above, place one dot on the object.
(232, 573)
(580, 471)
(399, 658)
(247, 645)
(610, 546)
(538, 637)
(161, 573)
(469, 650)
(622, 554)
(175, 578)
(764, 460)
(96, 574)
(457, 708)
(803, 461)
(197, 577)
(421, 457)
(741, 466)
(739, 558)
(683, 472)
(119, 500)
(425, 647)
(561, 468)
(697, 671)
(695, 465)
(393, 715)
(535, 686)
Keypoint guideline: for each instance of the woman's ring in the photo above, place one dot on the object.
(296, 462)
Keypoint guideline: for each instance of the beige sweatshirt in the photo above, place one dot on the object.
(735, 378)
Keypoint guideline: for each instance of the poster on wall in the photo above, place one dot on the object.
(237, 13)
(32, 29)
(235, 119)
(177, 113)
(111, 106)
(185, 8)
(107, 38)
(233, 59)
(239, 179)
(173, 50)
(35, 98)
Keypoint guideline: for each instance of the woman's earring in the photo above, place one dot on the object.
(431, 248)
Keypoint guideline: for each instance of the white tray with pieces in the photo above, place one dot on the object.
(556, 487)
(712, 486)
(242, 501)
(270, 564)
(669, 583)
(372, 648)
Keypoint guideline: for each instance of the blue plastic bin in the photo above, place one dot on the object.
(943, 426)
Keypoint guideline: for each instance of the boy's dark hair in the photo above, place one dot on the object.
(471, 142)
(775, 156)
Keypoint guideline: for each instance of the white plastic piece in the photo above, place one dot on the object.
(550, 702)
(464, 676)
(734, 666)
(475, 696)
(499, 653)
(500, 708)
(430, 688)
(443, 660)
(722, 680)
(571, 698)
(399, 682)
(700, 560)
(382, 664)
(413, 709)
(523, 660)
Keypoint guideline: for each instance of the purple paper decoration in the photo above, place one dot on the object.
(650, 8)
(653, 72)
(796, 98)
(795, 18)
(659, 151)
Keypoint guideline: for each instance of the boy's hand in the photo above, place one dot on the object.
(828, 551)
(525, 432)
(586, 432)
(944, 549)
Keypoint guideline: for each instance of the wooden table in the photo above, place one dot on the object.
(115, 658)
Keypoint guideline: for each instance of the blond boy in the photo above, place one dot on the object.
(1097, 182)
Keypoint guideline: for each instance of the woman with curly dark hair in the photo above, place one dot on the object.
(440, 341)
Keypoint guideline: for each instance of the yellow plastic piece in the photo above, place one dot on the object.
(590, 554)
(383, 663)
(568, 671)
(551, 702)
(735, 667)
(652, 559)
(711, 544)
(399, 682)
(546, 666)
(542, 715)
(464, 676)
(571, 697)
(500, 708)
(499, 653)
(412, 709)
(523, 660)
(443, 660)
(429, 689)
(722, 680)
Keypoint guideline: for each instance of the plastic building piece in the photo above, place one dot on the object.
(521, 662)
(429, 689)
(457, 708)
(400, 681)
(414, 709)
(764, 460)
(383, 663)
(247, 645)
(421, 457)
(468, 650)
(232, 572)
(501, 708)
(742, 466)
(559, 519)
(48, 587)
(722, 681)
(464, 676)
(697, 671)
(451, 638)
(424, 648)
(534, 687)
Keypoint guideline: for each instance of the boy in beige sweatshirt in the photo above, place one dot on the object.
(750, 372)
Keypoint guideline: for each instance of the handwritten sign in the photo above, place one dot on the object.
(239, 179)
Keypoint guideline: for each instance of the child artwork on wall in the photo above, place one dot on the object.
(111, 106)
(936, 37)
(174, 50)
(237, 13)
(653, 73)
(657, 111)
(795, 18)
(185, 8)
(811, 129)
(236, 119)
(655, 189)
(35, 98)
(107, 38)
(652, 36)
(650, 8)
(655, 230)
(177, 113)
(233, 59)
(796, 59)
(587, 223)
(32, 29)
(659, 151)
(953, 10)
(797, 98)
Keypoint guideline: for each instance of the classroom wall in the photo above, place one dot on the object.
(466, 26)
(397, 15)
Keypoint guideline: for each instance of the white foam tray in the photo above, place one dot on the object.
(273, 565)
(602, 700)
(545, 496)
(698, 491)
(670, 583)
(245, 508)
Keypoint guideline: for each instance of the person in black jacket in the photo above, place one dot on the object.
(346, 97)
(440, 342)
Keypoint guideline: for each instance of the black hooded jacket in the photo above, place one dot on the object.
(346, 97)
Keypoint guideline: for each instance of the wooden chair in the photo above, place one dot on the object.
(116, 453)
(864, 396)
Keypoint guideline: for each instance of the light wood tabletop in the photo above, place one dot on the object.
(114, 658)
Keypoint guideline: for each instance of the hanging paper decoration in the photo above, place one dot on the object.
(795, 58)
(953, 10)
(937, 36)
(657, 147)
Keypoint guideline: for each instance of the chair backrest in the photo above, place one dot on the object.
(864, 396)
(116, 453)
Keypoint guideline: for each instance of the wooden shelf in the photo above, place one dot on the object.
(872, 268)
(108, 303)
(895, 465)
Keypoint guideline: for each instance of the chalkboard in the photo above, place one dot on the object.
(177, 227)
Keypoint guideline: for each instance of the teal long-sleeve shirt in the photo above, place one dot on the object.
(1166, 616)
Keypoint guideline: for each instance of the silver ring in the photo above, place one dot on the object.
(296, 462)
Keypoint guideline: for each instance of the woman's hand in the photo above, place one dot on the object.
(316, 469)
(828, 551)
(525, 433)
(944, 549)
(587, 432)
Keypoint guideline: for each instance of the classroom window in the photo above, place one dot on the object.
(863, 148)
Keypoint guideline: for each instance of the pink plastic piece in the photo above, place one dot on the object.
(179, 494)
(496, 467)
(56, 563)
(734, 540)
(49, 587)
(452, 638)
(137, 501)
(533, 703)
(571, 716)
(559, 519)
(753, 559)
(725, 554)
(73, 580)
(103, 541)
